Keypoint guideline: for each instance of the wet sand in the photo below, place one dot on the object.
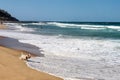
(12, 68)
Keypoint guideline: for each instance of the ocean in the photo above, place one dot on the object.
(72, 50)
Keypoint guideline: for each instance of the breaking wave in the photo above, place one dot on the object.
(72, 58)
(81, 26)
(18, 27)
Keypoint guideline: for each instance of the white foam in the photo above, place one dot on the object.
(40, 23)
(92, 28)
(114, 27)
(75, 48)
(75, 69)
(18, 27)
(62, 24)
(71, 58)
(67, 25)
(82, 26)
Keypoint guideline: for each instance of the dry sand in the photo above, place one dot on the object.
(12, 68)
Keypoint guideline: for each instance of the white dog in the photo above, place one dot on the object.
(25, 57)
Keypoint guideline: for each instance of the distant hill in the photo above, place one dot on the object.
(5, 16)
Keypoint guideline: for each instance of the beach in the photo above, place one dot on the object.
(60, 40)
(69, 50)
(2, 26)
(12, 68)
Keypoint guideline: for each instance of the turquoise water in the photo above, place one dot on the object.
(72, 50)
(77, 29)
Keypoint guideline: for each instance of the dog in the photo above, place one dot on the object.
(25, 57)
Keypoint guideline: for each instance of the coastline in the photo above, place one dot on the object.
(14, 68)
(64, 56)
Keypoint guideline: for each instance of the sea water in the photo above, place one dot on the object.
(72, 50)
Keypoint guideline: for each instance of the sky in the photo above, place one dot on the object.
(63, 10)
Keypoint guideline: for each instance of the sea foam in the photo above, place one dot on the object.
(73, 58)
(18, 27)
(81, 26)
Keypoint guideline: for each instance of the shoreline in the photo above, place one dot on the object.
(15, 66)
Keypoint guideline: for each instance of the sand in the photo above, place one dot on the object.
(12, 68)
(2, 26)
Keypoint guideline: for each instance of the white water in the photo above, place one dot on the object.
(73, 59)
(82, 26)
(18, 27)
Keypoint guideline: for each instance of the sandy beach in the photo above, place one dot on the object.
(2, 26)
(12, 68)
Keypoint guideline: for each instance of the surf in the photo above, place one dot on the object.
(70, 57)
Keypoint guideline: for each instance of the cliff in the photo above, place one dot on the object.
(5, 16)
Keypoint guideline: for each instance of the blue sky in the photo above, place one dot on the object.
(63, 10)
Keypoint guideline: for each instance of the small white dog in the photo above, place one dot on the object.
(25, 57)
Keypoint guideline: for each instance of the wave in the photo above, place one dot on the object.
(62, 24)
(62, 46)
(81, 26)
(18, 27)
(72, 55)
(67, 29)
(40, 23)
(114, 27)
(59, 24)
